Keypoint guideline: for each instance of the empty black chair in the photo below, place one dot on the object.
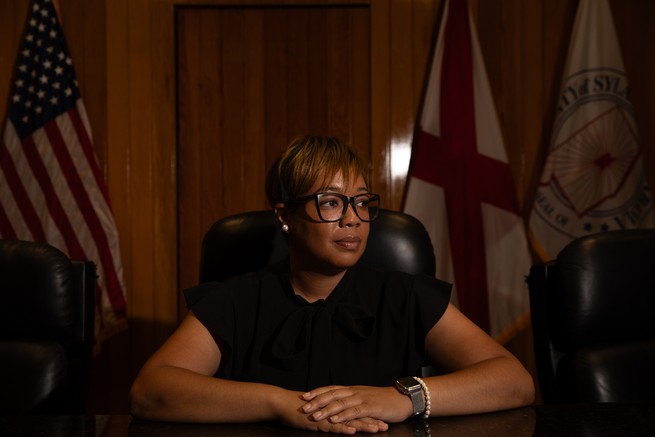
(593, 318)
(46, 329)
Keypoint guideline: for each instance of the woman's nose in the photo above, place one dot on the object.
(350, 218)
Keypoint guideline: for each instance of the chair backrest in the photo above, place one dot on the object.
(252, 240)
(48, 308)
(593, 317)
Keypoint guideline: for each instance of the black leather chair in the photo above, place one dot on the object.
(593, 317)
(46, 329)
(250, 241)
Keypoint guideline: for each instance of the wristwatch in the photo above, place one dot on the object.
(411, 387)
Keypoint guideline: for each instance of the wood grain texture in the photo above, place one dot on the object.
(250, 80)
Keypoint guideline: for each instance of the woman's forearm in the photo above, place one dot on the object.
(494, 384)
(177, 394)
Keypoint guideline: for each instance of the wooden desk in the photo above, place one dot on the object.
(538, 420)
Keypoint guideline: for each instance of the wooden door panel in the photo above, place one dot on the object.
(250, 79)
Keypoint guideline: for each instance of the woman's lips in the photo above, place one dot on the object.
(349, 243)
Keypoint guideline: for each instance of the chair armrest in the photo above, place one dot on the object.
(30, 371)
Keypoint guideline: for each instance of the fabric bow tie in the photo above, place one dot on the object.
(305, 336)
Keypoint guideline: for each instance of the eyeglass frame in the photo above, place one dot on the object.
(349, 200)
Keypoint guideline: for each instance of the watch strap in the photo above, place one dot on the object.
(411, 387)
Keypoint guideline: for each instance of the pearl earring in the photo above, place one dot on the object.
(285, 228)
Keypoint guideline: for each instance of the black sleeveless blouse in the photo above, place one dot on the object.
(370, 330)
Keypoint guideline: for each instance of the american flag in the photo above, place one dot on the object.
(51, 187)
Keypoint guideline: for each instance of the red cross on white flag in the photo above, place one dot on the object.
(461, 186)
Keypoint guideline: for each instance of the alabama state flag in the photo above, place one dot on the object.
(460, 185)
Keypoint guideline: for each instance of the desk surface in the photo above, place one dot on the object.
(538, 420)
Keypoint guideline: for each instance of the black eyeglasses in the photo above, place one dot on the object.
(331, 207)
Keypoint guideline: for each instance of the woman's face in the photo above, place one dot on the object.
(327, 247)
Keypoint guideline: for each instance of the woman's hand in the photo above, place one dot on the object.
(291, 413)
(340, 404)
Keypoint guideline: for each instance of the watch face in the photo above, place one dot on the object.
(408, 383)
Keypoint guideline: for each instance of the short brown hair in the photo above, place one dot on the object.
(302, 163)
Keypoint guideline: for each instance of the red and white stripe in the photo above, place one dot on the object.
(52, 191)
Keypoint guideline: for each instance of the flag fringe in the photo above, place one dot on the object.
(514, 328)
(537, 247)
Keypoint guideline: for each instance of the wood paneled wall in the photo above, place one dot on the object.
(272, 74)
(124, 54)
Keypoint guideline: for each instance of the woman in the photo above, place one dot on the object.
(320, 341)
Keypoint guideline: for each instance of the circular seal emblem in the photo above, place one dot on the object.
(593, 179)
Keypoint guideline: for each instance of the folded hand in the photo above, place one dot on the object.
(291, 413)
(342, 404)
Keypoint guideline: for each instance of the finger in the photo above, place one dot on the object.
(336, 406)
(339, 428)
(367, 425)
(346, 415)
(319, 391)
(321, 400)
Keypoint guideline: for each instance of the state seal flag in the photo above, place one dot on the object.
(51, 187)
(461, 188)
(593, 178)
